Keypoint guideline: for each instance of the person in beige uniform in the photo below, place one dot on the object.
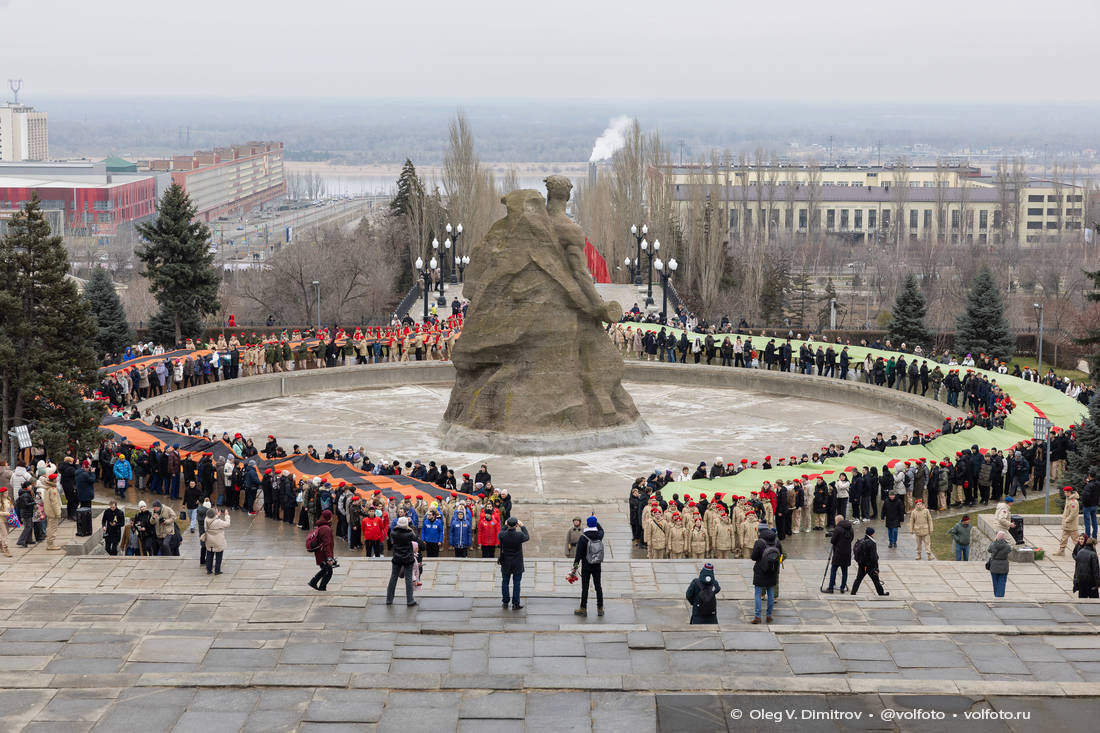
(750, 530)
(723, 536)
(698, 542)
(51, 504)
(677, 538)
(1070, 514)
(920, 524)
(573, 536)
(656, 535)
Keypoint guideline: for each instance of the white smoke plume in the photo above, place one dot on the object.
(613, 138)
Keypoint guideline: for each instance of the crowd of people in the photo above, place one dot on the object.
(139, 374)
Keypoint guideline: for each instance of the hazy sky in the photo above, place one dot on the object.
(971, 50)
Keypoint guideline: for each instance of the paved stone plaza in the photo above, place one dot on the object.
(114, 644)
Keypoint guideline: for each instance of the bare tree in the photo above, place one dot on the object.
(900, 183)
(813, 198)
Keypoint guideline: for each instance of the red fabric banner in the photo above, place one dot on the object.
(596, 264)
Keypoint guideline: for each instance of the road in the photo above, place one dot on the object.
(245, 238)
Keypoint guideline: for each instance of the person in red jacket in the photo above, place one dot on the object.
(488, 528)
(323, 554)
(375, 528)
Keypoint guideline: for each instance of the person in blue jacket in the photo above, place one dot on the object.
(431, 534)
(123, 474)
(461, 531)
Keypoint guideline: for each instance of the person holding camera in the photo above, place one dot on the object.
(323, 554)
(402, 536)
(511, 540)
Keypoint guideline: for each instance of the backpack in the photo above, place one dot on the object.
(706, 604)
(313, 540)
(769, 559)
(859, 550)
(594, 554)
(326, 500)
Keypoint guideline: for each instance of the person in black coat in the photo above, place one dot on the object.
(706, 580)
(1086, 571)
(893, 513)
(84, 483)
(112, 521)
(206, 475)
(402, 536)
(66, 479)
(589, 570)
(841, 540)
(867, 561)
(511, 540)
(25, 505)
(764, 576)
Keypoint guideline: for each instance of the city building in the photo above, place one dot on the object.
(952, 203)
(79, 198)
(228, 181)
(23, 133)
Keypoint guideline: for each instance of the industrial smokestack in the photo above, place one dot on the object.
(613, 138)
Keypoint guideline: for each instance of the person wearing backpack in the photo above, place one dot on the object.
(511, 540)
(767, 554)
(589, 556)
(319, 542)
(702, 595)
(866, 556)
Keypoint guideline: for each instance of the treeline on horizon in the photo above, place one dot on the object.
(361, 132)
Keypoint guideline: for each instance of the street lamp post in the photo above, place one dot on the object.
(463, 261)
(457, 232)
(442, 278)
(665, 270)
(317, 285)
(426, 274)
(638, 239)
(630, 265)
(651, 250)
(1039, 368)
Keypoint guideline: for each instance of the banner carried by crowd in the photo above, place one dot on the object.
(142, 435)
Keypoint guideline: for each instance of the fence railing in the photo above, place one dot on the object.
(411, 297)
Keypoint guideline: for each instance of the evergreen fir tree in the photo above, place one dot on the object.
(409, 187)
(1093, 336)
(179, 264)
(1087, 457)
(801, 296)
(162, 327)
(825, 311)
(982, 328)
(114, 333)
(47, 332)
(907, 319)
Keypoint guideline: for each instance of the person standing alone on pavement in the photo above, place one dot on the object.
(511, 540)
(960, 535)
(402, 536)
(841, 540)
(322, 551)
(767, 555)
(702, 594)
(589, 556)
(997, 564)
(1070, 513)
(1086, 571)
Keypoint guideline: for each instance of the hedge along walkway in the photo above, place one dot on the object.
(1032, 400)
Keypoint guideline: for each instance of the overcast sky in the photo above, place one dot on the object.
(973, 50)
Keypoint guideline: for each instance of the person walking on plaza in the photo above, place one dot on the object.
(215, 540)
(1090, 501)
(84, 481)
(1070, 513)
(997, 564)
(960, 535)
(511, 540)
(589, 556)
(841, 541)
(920, 524)
(865, 553)
(113, 520)
(767, 554)
(402, 536)
(702, 594)
(1086, 571)
(323, 552)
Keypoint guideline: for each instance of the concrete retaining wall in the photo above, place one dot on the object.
(926, 412)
